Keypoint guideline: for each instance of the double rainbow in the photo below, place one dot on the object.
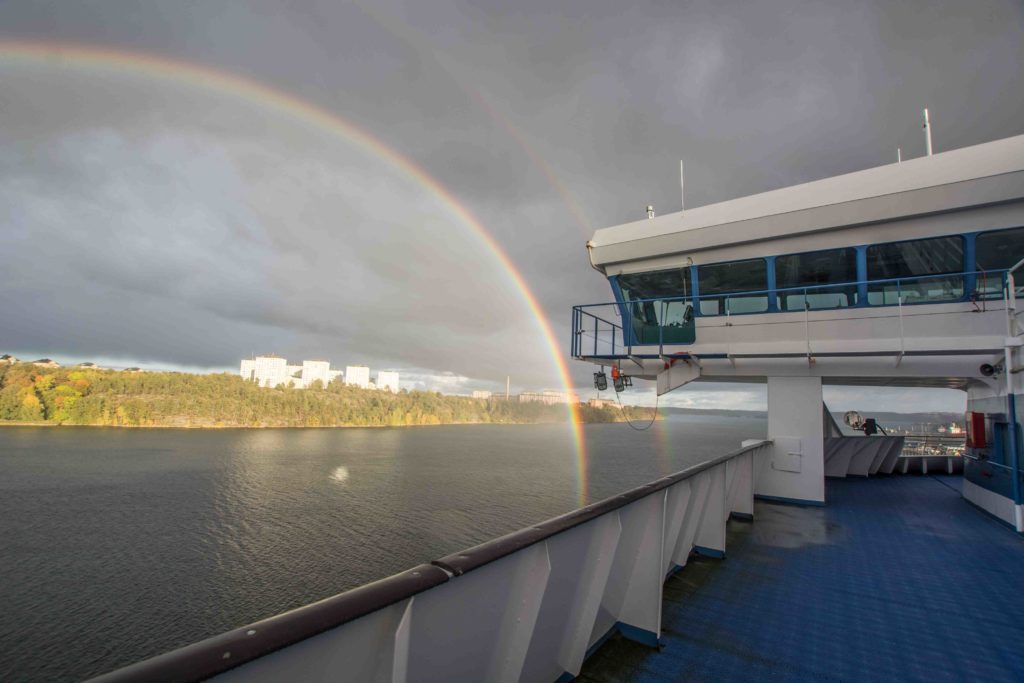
(91, 57)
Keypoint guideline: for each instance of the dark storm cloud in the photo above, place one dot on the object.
(610, 95)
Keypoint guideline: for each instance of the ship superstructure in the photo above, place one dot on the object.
(891, 276)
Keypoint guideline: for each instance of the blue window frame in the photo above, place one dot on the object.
(658, 307)
(996, 250)
(828, 279)
(916, 271)
(719, 283)
(930, 270)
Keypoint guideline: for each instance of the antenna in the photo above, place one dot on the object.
(682, 193)
(650, 211)
(927, 132)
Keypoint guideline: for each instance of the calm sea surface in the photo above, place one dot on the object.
(120, 544)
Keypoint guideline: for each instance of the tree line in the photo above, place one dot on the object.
(80, 396)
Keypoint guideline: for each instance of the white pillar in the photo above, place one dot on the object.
(796, 468)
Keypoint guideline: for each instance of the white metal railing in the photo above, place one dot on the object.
(529, 606)
(1011, 299)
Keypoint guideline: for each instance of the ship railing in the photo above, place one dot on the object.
(933, 444)
(612, 329)
(1012, 292)
(529, 606)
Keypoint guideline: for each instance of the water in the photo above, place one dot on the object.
(121, 544)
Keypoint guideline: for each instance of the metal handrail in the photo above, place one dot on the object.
(218, 654)
(804, 288)
(626, 308)
(985, 461)
(461, 562)
(1011, 402)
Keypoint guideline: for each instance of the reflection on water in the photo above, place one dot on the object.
(121, 544)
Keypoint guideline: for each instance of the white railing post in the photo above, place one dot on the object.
(742, 505)
(700, 490)
(520, 614)
(711, 532)
(591, 586)
(634, 587)
(677, 508)
(731, 480)
(400, 653)
(899, 356)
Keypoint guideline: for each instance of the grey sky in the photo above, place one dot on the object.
(163, 223)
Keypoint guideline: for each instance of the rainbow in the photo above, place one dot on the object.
(200, 76)
(406, 33)
(575, 210)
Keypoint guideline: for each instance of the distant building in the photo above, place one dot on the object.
(271, 371)
(248, 369)
(313, 370)
(481, 394)
(358, 376)
(8, 359)
(387, 380)
(602, 403)
(88, 365)
(266, 371)
(46, 363)
(548, 397)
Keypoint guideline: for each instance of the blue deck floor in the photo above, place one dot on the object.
(897, 578)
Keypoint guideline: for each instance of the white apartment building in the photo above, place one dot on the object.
(481, 394)
(313, 370)
(267, 371)
(388, 380)
(271, 371)
(357, 375)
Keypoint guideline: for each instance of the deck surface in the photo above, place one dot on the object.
(898, 578)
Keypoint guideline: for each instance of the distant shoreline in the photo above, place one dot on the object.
(9, 423)
(31, 395)
(6, 423)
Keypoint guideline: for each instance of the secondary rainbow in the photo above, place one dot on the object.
(412, 37)
(155, 66)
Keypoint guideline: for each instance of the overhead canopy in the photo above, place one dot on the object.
(990, 173)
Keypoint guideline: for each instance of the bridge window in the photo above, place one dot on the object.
(658, 308)
(916, 271)
(722, 287)
(827, 278)
(660, 283)
(997, 250)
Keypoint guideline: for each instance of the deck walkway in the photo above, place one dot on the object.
(897, 578)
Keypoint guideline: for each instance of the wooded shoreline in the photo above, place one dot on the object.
(31, 395)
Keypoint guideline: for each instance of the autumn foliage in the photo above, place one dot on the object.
(76, 396)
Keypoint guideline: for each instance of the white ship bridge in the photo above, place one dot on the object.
(892, 276)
